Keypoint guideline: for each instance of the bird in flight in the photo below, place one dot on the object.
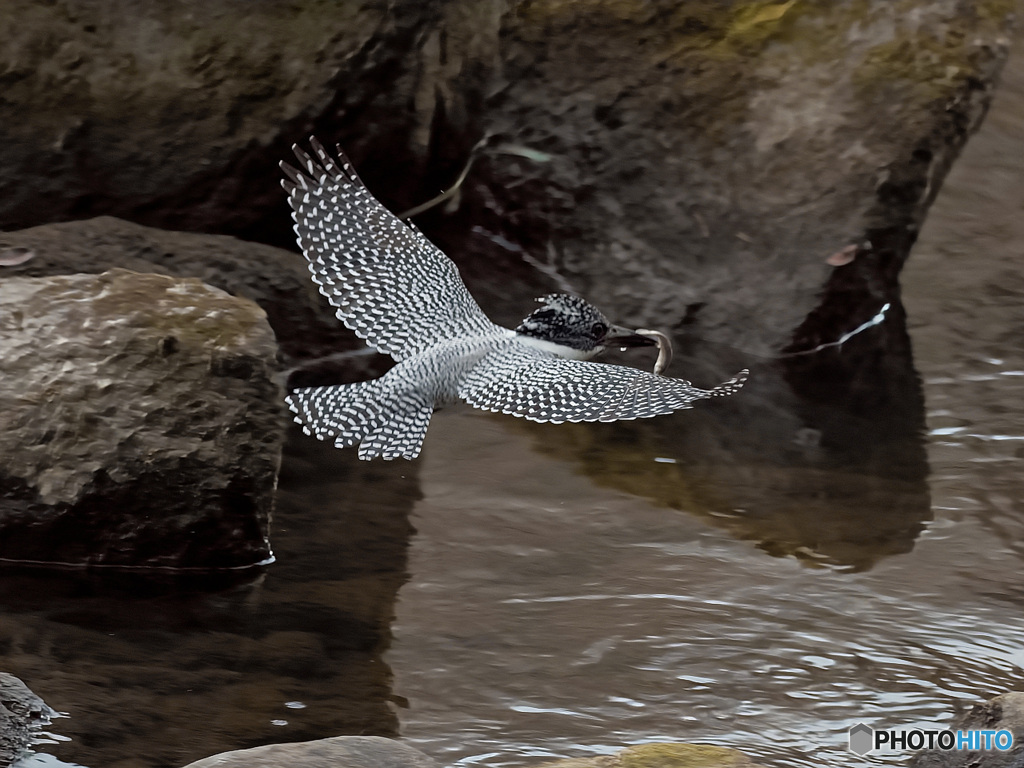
(405, 298)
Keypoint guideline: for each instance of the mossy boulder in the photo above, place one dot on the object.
(665, 755)
(140, 423)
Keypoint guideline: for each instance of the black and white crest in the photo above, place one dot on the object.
(567, 321)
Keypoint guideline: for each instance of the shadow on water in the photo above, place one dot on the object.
(162, 669)
(821, 457)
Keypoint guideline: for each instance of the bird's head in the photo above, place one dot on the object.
(571, 327)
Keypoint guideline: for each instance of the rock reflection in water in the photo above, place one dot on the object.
(163, 672)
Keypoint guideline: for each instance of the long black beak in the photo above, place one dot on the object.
(623, 337)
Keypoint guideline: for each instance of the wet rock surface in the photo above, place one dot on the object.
(1005, 712)
(705, 159)
(21, 711)
(140, 424)
(337, 752)
(13, 737)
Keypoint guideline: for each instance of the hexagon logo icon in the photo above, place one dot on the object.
(862, 739)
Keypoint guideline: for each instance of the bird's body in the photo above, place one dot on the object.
(389, 416)
(406, 299)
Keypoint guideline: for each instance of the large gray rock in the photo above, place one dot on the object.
(21, 711)
(139, 422)
(707, 158)
(17, 698)
(1004, 712)
(337, 752)
(13, 737)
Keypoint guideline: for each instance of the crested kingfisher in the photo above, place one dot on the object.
(405, 298)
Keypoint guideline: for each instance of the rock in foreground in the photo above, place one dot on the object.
(139, 423)
(1004, 712)
(337, 752)
(20, 712)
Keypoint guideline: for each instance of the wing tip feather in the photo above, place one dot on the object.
(732, 386)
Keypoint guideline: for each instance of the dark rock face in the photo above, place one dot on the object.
(20, 712)
(337, 752)
(706, 158)
(1004, 712)
(142, 110)
(139, 423)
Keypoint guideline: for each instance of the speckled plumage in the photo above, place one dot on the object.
(404, 297)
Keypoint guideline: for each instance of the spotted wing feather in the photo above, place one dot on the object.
(529, 384)
(388, 283)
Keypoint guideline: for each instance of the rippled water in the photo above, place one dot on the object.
(542, 626)
(547, 617)
(570, 591)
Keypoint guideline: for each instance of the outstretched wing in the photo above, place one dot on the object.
(390, 285)
(527, 383)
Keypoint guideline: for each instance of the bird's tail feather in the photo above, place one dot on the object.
(382, 422)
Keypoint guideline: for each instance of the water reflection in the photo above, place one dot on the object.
(822, 458)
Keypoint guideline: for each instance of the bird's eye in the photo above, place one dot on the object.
(598, 330)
